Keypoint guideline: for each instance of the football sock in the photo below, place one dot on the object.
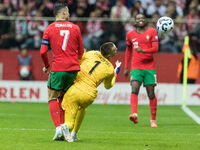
(55, 112)
(134, 102)
(70, 115)
(58, 129)
(73, 134)
(79, 118)
(62, 113)
(153, 107)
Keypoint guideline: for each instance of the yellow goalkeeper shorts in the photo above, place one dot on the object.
(78, 96)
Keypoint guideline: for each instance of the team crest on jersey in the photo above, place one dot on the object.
(147, 37)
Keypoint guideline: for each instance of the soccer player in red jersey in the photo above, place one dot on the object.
(143, 41)
(67, 45)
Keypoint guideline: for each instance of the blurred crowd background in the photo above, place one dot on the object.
(22, 22)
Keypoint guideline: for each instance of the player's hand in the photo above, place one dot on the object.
(139, 50)
(45, 70)
(126, 72)
(117, 67)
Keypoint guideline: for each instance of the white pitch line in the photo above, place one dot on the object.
(191, 114)
(25, 129)
(99, 132)
(4, 114)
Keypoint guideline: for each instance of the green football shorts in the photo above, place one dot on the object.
(61, 80)
(148, 77)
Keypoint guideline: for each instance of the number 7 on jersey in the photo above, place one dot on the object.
(96, 64)
(64, 33)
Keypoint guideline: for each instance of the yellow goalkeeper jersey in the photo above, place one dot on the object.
(95, 68)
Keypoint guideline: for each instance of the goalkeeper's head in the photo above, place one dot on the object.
(108, 50)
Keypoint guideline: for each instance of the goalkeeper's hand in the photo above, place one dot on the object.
(117, 67)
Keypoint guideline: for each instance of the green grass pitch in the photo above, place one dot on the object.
(28, 126)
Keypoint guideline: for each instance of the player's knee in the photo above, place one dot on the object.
(151, 95)
(135, 91)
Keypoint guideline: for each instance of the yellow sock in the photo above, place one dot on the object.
(79, 119)
(70, 115)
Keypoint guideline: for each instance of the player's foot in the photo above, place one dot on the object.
(75, 138)
(66, 133)
(153, 123)
(134, 118)
(58, 135)
(68, 138)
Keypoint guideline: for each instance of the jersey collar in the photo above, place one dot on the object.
(143, 31)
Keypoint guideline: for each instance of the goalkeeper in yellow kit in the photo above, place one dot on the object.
(95, 68)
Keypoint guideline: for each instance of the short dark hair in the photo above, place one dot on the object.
(58, 7)
(106, 48)
(140, 14)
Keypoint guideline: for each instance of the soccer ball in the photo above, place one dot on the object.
(165, 25)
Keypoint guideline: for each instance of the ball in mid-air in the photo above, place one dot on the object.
(165, 25)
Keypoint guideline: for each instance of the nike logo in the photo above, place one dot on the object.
(134, 39)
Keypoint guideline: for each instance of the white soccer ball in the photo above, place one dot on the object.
(165, 25)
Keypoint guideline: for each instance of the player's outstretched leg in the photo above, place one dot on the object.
(134, 118)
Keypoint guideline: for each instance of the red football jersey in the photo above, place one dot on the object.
(66, 42)
(148, 41)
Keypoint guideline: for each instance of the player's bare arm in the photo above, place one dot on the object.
(127, 58)
(126, 72)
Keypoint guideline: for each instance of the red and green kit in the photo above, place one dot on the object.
(147, 41)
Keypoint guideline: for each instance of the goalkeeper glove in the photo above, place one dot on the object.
(117, 67)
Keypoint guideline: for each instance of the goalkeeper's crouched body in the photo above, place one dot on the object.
(95, 69)
(78, 97)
